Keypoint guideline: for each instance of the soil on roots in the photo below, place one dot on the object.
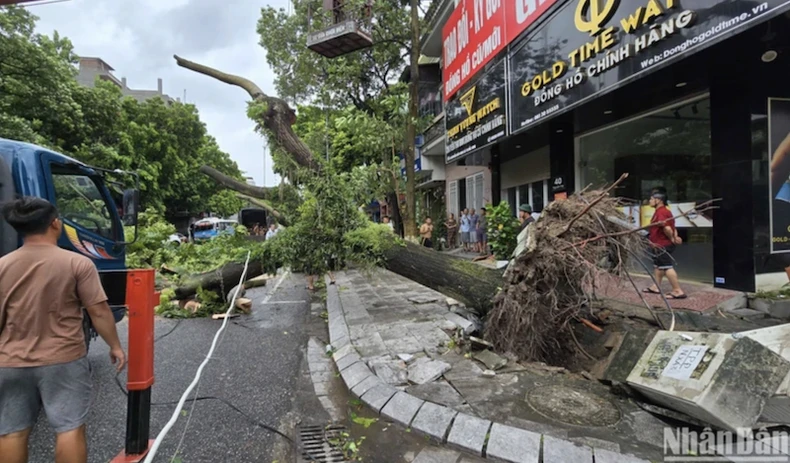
(549, 283)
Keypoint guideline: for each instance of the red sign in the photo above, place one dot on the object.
(520, 14)
(473, 35)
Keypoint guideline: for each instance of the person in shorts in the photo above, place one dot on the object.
(663, 239)
(482, 232)
(465, 226)
(43, 348)
(473, 218)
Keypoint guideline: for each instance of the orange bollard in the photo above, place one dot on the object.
(141, 299)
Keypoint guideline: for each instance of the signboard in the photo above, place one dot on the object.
(684, 361)
(520, 14)
(779, 180)
(475, 117)
(590, 46)
(417, 162)
(471, 37)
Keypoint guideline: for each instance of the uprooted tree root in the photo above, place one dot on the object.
(573, 243)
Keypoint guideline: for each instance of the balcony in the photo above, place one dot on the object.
(434, 138)
(343, 29)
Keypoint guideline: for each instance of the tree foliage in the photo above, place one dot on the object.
(41, 103)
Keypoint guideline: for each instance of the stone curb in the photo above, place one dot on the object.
(493, 441)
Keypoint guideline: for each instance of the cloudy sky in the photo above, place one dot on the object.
(138, 38)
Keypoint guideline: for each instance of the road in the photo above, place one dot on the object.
(258, 366)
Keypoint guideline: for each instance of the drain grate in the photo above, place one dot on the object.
(314, 441)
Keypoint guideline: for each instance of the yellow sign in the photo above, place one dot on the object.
(468, 99)
(592, 15)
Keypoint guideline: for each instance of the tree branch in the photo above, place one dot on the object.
(233, 184)
(278, 118)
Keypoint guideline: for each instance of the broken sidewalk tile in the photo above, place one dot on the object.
(459, 321)
(424, 370)
(406, 357)
(434, 420)
(562, 451)
(692, 376)
(422, 299)
(402, 408)
(489, 373)
(391, 372)
(378, 396)
(468, 433)
(511, 444)
(491, 360)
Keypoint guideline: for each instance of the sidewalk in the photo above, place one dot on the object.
(391, 348)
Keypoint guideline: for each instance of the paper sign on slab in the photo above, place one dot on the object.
(684, 361)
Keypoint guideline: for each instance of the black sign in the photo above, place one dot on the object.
(475, 115)
(591, 45)
(558, 184)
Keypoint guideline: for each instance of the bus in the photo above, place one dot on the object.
(212, 227)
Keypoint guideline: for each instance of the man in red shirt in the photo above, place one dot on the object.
(663, 239)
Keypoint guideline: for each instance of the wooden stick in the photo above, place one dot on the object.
(591, 325)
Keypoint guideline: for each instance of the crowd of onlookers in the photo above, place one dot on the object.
(472, 228)
(259, 230)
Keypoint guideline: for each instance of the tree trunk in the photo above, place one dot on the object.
(220, 281)
(410, 214)
(470, 283)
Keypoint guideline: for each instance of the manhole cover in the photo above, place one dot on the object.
(314, 443)
(572, 406)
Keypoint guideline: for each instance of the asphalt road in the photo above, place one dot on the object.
(258, 367)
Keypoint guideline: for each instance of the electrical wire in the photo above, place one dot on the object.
(169, 425)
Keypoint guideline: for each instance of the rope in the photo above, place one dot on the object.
(180, 406)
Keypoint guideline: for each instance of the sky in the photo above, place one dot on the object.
(139, 38)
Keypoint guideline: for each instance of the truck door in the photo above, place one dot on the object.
(90, 222)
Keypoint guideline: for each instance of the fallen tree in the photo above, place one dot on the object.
(470, 283)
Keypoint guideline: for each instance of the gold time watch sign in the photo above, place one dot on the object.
(475, 115)
(591, 45)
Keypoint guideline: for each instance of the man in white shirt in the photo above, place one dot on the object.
(466, 226)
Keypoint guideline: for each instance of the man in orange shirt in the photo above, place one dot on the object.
(663, 239)
(43, 351)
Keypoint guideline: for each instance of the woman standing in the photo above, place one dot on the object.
(452, 231)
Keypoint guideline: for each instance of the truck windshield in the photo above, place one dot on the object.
(80, 200)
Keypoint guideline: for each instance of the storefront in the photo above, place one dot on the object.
(674, 93)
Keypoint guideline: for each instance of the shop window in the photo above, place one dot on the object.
(538, 198)
(511, 200)
(669, 148)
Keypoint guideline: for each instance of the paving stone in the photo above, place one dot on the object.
(321, 376)
(402, 408)
(434, 420)
(366, 385)
(344, 351)
(407, 345)
(322, 388)
(439, 392)
(347, 361)
(378, 396)
(423, 298)
(371, 346)
(434, 455)
(425, 371)
(562, 451)
(467, 326)
(316, 367)
(513, 445)
(491, 360)
(391, 372)
(469, 433)
(606, 456)
(354, 374)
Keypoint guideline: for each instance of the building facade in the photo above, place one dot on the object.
(555, 95)
(92, 68)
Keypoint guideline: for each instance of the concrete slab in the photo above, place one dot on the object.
(425, 371)
(434, 420)
(347, 361)
(513, 445)
(439, 392)
(402, 408)
(467, 326)
(468, 433)
(378, 396)
(562, 451)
